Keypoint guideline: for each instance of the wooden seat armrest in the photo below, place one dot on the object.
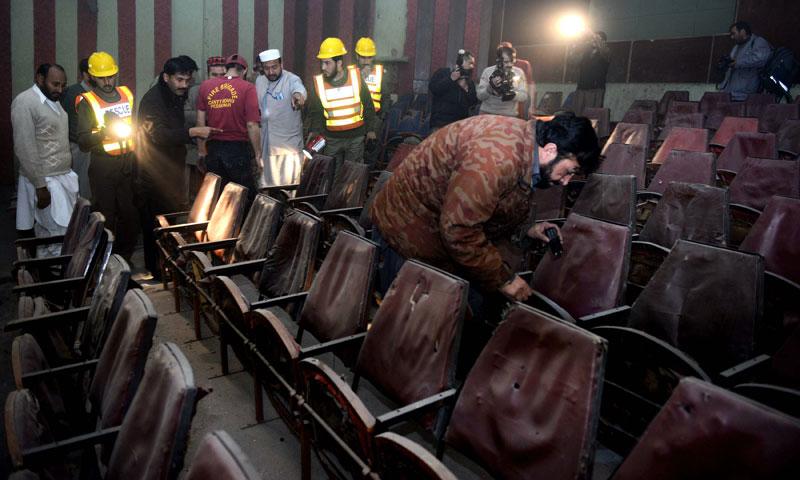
(232, 269)
(414, 410)
(745, 371)
(616, 317)
(56, 451)
(279, 301)
(181, 228)
(48, 320)
(64, 284)
(541, 302)
(43, 262)
(333, 345)
(61, 371)
(36, 241)
(209, 246)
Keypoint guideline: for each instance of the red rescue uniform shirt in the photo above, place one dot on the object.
(229, 103)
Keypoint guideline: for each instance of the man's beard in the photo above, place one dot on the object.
(272, 77)
(330, 75)
(546, 176)
(107, 88)
(53, 97)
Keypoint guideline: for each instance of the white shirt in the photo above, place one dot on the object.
(46, 100)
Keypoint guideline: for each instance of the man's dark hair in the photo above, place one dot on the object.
(337, 58)
(510, 51)
(573, 136)
(602, 35)
(45, 67)
(191, 65)
(742, 26)
(176, 65)
(238, 66)
(83, 65)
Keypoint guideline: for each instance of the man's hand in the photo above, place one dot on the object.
(518, 290)
(496, 81)
(537, 231)
(203, 132)
(42, 198)
(258, 165)
(455, 74)
(298, 101)
(371, 136)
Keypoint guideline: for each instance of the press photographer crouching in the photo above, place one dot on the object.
(502, 86)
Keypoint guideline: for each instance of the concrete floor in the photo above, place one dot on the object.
(272, 449)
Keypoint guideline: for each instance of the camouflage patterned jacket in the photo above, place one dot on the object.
(465, 186)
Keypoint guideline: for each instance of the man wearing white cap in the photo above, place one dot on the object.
(281, 96)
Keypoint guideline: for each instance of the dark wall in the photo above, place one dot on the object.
(678, 60)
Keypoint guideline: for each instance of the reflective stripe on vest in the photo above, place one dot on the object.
(341, 105)
(123, 108)
(373, 82)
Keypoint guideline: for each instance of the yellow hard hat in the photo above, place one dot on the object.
(331, 47)
(102, 64)
(365, 47)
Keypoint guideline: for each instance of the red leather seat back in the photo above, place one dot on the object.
(591, 275)
(624, 159)
(152, 439)
(743, 145)
(338, 300)
(316, 177)
(689, 211)
(683, 166)
(549, 202)
(290, 262)
(788, 138)
(721, 110)
(259, 230)
(608, 197)
(206, 198)
(602, 115)
(669, 97)
(410, 350)
(227, 217)
(530, 406)
(706, 301)
(106, 302)
(628, 133)
(690, 139)
(684, 107)
(399, 155)
(77, 222)
(550, 102)
(87, 247)
(774, 115)
(684, 120)
(755, 103)
(710, 99)
(774, 236)
(219, 457)
(648, 105)
(121, 363)
(761, 178)
(704, 431)
(732, 125)
(349, 188)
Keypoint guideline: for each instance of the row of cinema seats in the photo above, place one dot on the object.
(87, 373)
(645, 324)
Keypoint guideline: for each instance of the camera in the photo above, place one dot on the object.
(506, 88)
(724, 62)
(555, 243)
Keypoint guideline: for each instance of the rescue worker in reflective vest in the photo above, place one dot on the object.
(105, 121)
(371, 72)
(342, 109)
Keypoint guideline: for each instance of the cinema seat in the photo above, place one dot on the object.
(220, 457)
(741, 146)
(687, 167)
(624, 159)
(28, 247)
(608, 197)
(628, 133)
(689, 139)
(760, 178)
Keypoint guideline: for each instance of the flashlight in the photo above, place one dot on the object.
(117, 125)
(314, 146)
(571, 26)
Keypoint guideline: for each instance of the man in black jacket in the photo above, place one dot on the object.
(453, 91)
(161, 149)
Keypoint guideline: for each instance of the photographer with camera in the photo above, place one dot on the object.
(469, 186)
(452, 91)
(592, 57)
(750, 53)
(503, 86)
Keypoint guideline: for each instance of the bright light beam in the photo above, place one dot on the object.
(571, 26)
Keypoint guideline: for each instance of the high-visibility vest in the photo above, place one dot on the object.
(373, 82)
(341, 105)
(123, 108)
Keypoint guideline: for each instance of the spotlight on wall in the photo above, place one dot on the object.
(571, 26)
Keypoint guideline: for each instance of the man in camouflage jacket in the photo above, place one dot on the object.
(472, 182)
